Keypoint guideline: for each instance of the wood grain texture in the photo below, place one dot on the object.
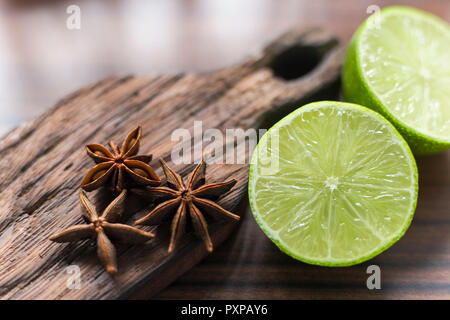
(43, 161)
(250, 266)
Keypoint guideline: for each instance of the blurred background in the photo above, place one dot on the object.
(41, 60)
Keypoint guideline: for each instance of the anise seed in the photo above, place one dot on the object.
(141, 172)
(98, 175)
(132, 141)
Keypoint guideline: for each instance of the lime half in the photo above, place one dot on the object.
(398, 63)
(333, 184)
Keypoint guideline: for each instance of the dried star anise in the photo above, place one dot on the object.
(121, 168)
(103, 228)
(188, 200)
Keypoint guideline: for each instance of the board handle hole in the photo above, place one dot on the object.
(295, 62)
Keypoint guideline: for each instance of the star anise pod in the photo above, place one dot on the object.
(103, 228)
(121, 168)
(184, 201)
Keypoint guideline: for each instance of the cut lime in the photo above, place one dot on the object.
(333, 184)
(398, 63)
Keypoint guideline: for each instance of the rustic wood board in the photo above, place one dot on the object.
(43, 161)
(250, 266)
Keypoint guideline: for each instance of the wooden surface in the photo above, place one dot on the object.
(250, 266)
(43, 161)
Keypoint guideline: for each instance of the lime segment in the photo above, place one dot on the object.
(333, 184)
(398, 64)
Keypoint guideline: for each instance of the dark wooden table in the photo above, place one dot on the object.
(250, 266)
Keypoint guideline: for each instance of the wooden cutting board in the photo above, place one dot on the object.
(43, 161)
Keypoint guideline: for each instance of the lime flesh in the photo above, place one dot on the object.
(333, 184)
(398, 63)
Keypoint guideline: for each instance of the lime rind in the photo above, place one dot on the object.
(332, 262)
(356, 87)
